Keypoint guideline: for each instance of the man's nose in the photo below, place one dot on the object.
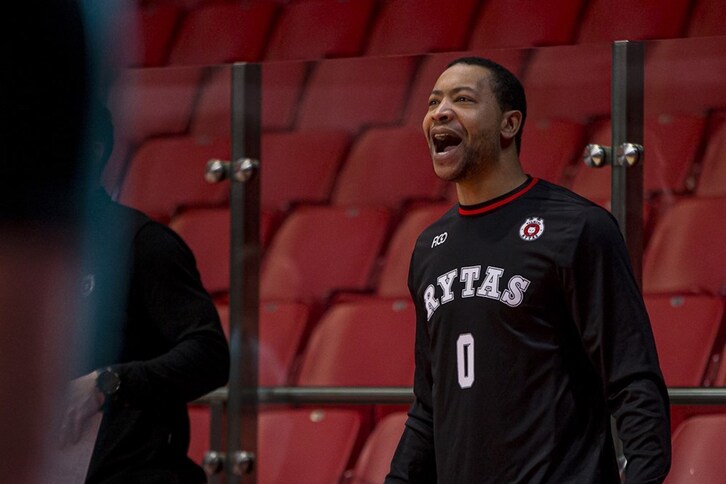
(442, 112)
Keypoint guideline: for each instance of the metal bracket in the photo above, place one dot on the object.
(242, 462)
(596, 156)
(629, 154)
(241, 170)
(213, 462)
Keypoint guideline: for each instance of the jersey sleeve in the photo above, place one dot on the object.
(414, 460)
(613, 324)
(193, 355)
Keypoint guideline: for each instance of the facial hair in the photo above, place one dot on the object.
(475, 159)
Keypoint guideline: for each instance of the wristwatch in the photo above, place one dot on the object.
(108, 381)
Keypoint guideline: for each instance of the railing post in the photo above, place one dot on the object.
(627, 142)
(244, 272)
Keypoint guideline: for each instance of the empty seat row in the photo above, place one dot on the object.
(316, 445)
(221, 32)
(570, 83)
(306, 265)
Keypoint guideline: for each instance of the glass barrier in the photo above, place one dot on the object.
(347, 184)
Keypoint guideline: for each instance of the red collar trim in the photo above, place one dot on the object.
(489, 206)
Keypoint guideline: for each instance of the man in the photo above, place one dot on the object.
(156, 340)
(531, 331)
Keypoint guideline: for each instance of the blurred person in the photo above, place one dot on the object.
(531, 329)
(155, 338)
(43, 93)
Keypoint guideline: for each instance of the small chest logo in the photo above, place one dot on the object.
(439, 239)
(532, 229)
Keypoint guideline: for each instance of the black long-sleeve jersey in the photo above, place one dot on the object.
(531, 332)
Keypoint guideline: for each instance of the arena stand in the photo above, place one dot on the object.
(346, 184)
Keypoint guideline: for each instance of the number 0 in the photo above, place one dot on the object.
(465, 360)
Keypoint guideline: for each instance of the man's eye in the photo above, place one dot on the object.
(433, 102)
(463, 99)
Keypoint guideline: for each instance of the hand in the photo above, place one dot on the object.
(83, 400)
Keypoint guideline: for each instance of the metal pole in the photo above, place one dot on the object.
(403, 395)
(627, 128)
(244, 273)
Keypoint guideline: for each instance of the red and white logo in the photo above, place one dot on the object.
(532, 229)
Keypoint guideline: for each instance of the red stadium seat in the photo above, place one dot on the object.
(166, 174)
(707, 19)
(320, 28)
(721, 377)
(712, 180)
(549, 146)
(318, 250)
(374, 461)
(387, 167)
(199, 427)
(300, 166)
(362, 343)
(393, 280)
(281, 329)
(294, 445)
(685, 75)
(685, 330)
(356, 92)
(609, 20)
(206, 231)
(537, 23)
(281, 87)
(223, 32)
(698, 445)
(419, 26)
(305, 446)
(433, 65)
(155, 23)
(153, 101)
(685, 253)
(569, 82)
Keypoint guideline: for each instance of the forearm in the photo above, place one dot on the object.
(414, 460)
(642, 418)
(195, 366)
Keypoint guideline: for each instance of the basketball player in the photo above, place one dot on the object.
(531, 330)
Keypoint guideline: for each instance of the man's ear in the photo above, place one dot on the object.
(511, 122)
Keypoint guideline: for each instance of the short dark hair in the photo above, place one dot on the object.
(505, 86)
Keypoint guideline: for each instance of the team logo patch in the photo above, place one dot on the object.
(532, 229)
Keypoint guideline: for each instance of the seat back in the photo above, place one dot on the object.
(374, 461)
(320, 29)
(168, 173)
(362, 343)
(355, 92)
(305, 445)
(318, 250)
(646, 19)
(387, 167)
(685, 330)
(685, 253)
(538, 23)
(418, 26)
(218, 33)
(698, 445)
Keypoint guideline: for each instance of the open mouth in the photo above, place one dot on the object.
(444, 142)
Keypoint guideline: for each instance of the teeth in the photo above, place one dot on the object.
(440, 136)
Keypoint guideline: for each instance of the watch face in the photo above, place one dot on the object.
(108, 381)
